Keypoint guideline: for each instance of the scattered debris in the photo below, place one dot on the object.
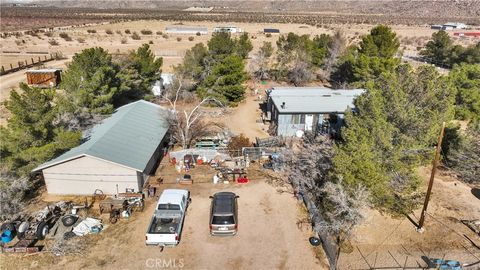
(89, 225)
(474, 225)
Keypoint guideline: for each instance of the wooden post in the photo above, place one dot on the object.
(32, 61)
(432, 177)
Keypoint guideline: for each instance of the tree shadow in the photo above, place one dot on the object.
(476, 192)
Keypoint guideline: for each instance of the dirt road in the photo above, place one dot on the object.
(9, 81)
(268, 237)
(383, 241)
(244, 118)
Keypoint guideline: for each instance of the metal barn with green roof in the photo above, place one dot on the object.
(120, 153)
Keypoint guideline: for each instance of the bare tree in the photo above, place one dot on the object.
(464, 157)
(261, 61)
(337, 48)
(12, 193)
(301, 71)
(334, 207)
(342, 209)
(80, 119)
(189, 125)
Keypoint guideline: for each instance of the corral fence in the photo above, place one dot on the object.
(33, 61)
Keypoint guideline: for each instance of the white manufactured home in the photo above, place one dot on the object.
(120, 153)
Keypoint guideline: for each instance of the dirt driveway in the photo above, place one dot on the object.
(268, 238)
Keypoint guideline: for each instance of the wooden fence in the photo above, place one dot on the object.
(33, 61)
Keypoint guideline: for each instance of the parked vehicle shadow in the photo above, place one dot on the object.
(476, 192)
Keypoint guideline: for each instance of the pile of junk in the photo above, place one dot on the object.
(21, 233)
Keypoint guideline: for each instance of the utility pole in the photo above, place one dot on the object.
(432, 177)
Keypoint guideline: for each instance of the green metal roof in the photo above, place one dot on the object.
(128, 137)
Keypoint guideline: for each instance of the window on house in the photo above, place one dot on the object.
(298, 119)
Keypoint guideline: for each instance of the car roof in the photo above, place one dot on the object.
(224, 203)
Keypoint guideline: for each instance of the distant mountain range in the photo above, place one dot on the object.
(396, 8)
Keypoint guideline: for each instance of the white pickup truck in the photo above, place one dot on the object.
(167, 221)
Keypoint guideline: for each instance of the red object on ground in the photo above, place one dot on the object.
(174, 161)
(242, 180)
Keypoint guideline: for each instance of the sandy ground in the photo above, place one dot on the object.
(384, 241)
(170, 48)
(268, 236)
(244, 119)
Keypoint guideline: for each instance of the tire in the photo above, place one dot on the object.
(113, 219)
(69, 220)
(314, 241)
(42, 230)
(21, 235)
(8, 226)
(23, 227)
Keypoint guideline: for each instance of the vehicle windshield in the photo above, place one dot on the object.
(222, 220)
(167, 206)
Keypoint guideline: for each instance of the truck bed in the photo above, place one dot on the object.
(164, 225)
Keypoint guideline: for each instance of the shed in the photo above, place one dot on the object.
(271, 30)
(316, 109)
(231, 29)
(44, 77)
(120, 153)
(455, 25)
(186, 30)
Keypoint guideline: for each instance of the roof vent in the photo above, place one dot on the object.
(283, 105)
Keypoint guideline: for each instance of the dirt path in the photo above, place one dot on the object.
(385, 241)
(268, 237)
(9, 81)
(244, 119)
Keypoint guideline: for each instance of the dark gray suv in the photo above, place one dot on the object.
(224, 214)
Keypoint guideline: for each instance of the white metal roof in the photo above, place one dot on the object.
(313, 99)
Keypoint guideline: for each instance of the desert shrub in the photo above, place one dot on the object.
(118, 32)
(65, 36)
(198, 34)
(127, 31)
(146, 32)
(191, 38)
(48, 34)
(58, 55)
(91, 31)
(12, 193)
(165, 36)
(109, 32)
(123, 41)
(150, 42)
(81, 40)
(268, 35)
(18, 42)
(159, 33)
(238, 142)
(53, 42)
(179, 39)
(136, 36)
